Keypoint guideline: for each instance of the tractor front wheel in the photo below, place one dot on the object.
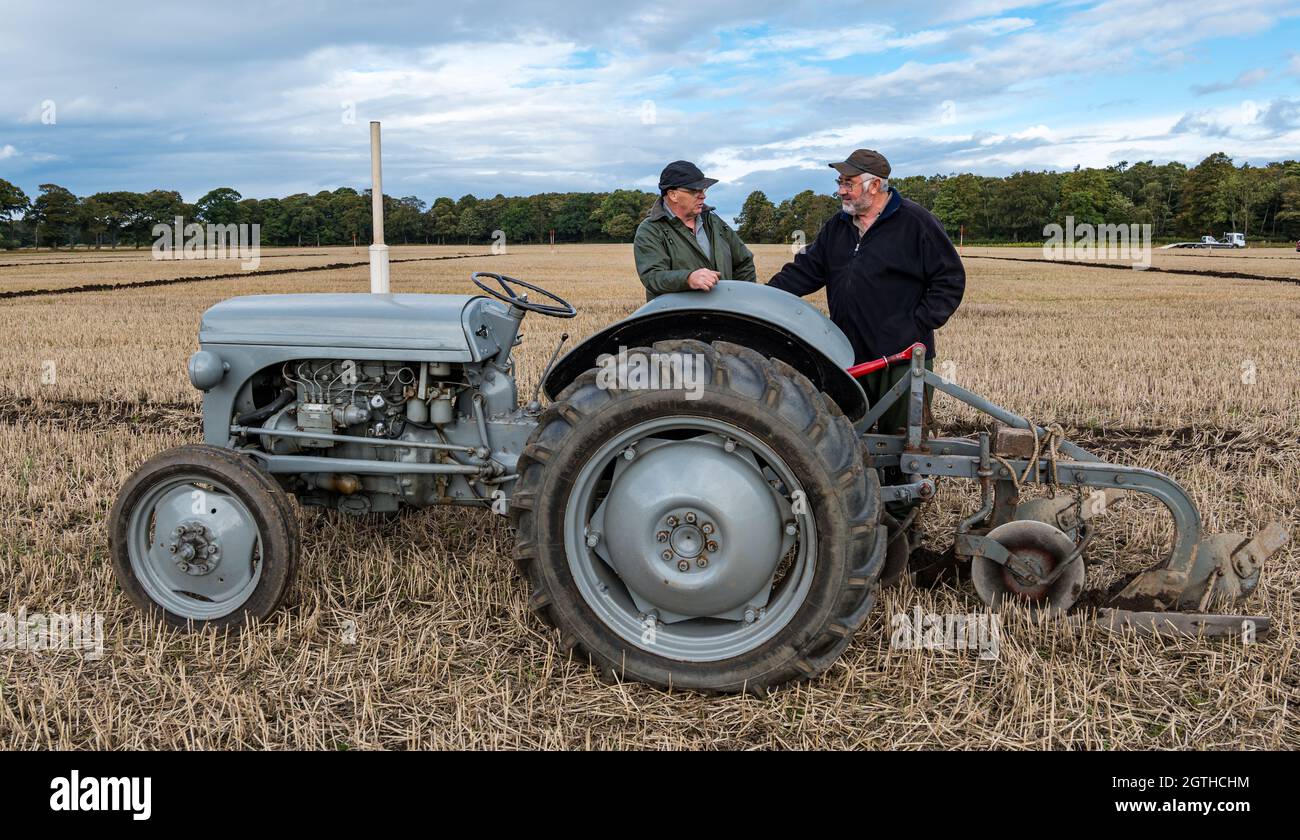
(199, 535)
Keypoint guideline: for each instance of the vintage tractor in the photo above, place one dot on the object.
(699, 506)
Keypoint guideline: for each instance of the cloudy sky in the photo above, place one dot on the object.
(519, 97)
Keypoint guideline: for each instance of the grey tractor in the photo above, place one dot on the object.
(699, 505)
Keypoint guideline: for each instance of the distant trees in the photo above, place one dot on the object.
(220, 207)
(1212, 197)
(54, 214)
(575, 221)
(621, 211)
(469, 221)
(403, 220)
(1201, 203)
(1288, 199)
(806, 212)
(762, 221)
(962, 200)
(442, 219)
(1023, 200)
(12, 202)
(757, 219)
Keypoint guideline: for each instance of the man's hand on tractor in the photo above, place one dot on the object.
(703, 279)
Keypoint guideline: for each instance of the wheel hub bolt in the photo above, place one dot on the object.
(702, 562)
(593, 539)
(662, 536)
(713, 545)
(707, 527)
(729, 445)
(667, 555)
(690, 517)
(672, 522)
(682, 565)
(791, 529)
(750, 616)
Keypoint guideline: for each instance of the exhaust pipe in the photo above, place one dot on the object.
(378, 250)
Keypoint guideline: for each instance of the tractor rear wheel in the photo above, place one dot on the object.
(722, 539)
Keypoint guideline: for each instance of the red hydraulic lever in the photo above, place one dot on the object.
(883, 362)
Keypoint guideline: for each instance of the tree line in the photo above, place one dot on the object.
(1212, 197)
(56, 217)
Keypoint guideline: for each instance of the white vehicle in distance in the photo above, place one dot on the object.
(1230, 240)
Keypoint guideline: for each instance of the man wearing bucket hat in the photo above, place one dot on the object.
(682, 245)
(891, 274)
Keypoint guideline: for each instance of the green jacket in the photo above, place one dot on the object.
(666, 251)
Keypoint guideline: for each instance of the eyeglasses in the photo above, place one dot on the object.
(847, 183)
(696, 193)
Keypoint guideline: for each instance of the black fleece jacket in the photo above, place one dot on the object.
(895, 286)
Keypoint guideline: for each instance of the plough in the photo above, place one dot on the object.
(1034, 549)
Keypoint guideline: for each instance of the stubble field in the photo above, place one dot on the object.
(1191, 374)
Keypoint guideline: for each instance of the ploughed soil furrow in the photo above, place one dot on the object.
(173, 281)
(1228, 255)
(97, 416)
(1228, 275)
(143, 258)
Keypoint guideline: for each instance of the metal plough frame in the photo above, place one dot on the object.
(1197, 571)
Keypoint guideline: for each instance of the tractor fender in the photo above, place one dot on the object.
(772, 322)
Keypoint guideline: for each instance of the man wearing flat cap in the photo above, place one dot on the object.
(682, 244)
(891, 274)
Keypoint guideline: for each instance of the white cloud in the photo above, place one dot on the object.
(1034, 132)
(924, 38)
(1001, 26)
(866, 39)
(973, 9)
(1246, 78)
(7, 151)
(1245, 122)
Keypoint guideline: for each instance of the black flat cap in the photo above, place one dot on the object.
(684, 174)
(864, 160)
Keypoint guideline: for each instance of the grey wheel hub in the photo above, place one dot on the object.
(684, 488)
(194, 547)
(682, 538)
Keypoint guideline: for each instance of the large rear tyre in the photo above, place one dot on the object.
(726, 543)
(200, 536)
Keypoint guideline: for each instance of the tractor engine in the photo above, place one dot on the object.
(381, 400)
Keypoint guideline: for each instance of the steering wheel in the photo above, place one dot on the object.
(507, 294)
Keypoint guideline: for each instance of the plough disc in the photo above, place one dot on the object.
(1044, 550)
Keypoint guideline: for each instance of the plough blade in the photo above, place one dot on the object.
(1225, 569)
(1248, 627)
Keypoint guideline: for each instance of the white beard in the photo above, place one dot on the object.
(857, 208)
